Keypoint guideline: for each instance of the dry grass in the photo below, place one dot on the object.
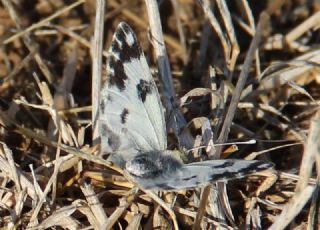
(239, 71)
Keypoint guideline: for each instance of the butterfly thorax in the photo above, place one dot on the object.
(153, 164)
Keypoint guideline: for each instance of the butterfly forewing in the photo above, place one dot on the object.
(131, 115)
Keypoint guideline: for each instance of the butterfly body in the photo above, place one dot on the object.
(133, 129)
(153, 164)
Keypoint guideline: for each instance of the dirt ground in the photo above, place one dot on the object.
(227, 72)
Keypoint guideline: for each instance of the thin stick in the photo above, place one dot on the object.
(164, 206)
(52, 179)
(235, 50)
(157, 199)
(235, 99)
(160, 51)
(6, 121)
(264, 18)
(303, 190)
(29, 43)
(206, 7)
(248, 13)
(125, 202)
(94, 204)
(305, 26)
(42, 22)
(75, 36)
(183, 42)
(97, 66)
(138, 20)
(202, 208)
(311, 152)
(19, 67)
(177, 121)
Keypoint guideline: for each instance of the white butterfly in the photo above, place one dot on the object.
(132, 126)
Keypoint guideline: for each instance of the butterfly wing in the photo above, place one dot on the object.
(202, 173)
(131, 115)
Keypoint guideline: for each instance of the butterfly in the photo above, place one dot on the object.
(133, 131)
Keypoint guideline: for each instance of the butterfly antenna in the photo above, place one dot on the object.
(249, 142)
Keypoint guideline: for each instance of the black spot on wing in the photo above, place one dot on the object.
(126, 50)
(118, 76)
(109, 98)
(124, 115)
(165, 186)
(114, 142)
(189, 178)
(233, 173)
(124, 130)
(102, 106)
(143, 89)
(255, 166)
(221, 176)
(105, 156)
(225, 164)
(104, 130)
(113, 139)
(126, 28)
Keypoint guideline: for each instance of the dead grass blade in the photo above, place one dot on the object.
(303, 191)
(97, 67)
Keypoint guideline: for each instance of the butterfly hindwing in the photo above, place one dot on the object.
(202, 173)
(131, 114)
